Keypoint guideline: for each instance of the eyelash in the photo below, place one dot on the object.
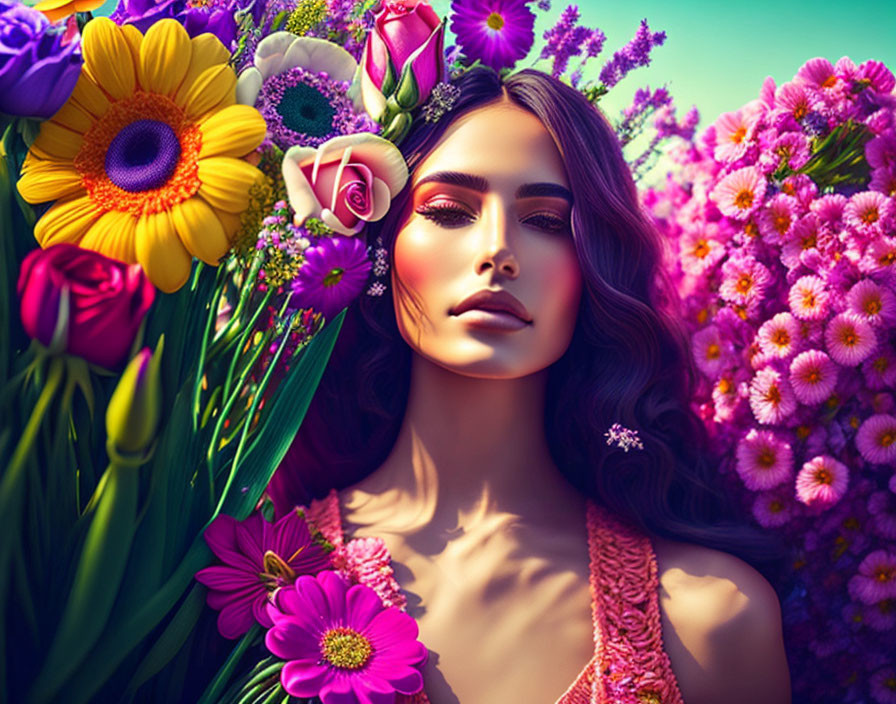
(451, 216)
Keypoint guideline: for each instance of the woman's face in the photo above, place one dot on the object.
(490, 215)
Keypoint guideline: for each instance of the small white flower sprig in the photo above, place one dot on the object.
(623, 437)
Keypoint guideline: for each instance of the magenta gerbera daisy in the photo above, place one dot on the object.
(763, 460)
(497, 32)
(868, 212)
(342, 644)
(779, 337)
(740, 192)
(771, 509)
(733, 132)
(777, 217)
(822, 482)
(849, 339)
(879, 369)
(873, 302)
(813, 376)
(258, 557)
(876, 439)
(332, 275)
(710, 352)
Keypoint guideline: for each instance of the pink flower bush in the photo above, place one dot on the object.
(784, 216)
(258, 558)
(342, 644)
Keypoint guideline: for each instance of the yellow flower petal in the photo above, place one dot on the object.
(134, 38)
(164, 57)
(49, 181)
(207, 51)
(74, 117)
(160, 252)
(200, 231)
(57, 142)
(213, 87)
(66, 221)
(114, 235)
(89, 96)
(231, 223)
(233, 131)
(225, 182)
(107, 55)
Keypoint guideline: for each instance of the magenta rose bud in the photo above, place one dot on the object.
(404, 54)
(80, 302)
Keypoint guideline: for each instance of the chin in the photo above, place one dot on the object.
(480, 360)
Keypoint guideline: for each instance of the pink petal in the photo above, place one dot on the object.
(259, 610)
(290, 533)
(236, 618)
(304, 679)
(249, 536)
(218, 600)
(371, 689)
(290, 641)
(409, 652)
(363, 604)
(406, 680)
(390, 627)
(338, 690)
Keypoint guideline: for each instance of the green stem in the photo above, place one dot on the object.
(217, 685)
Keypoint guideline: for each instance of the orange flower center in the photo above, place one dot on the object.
(800, 111)
(870, 216)
(849, 337)
(738, 135)
(809, 241)
(766, 458)
(713, 351)
(781, 338)
(830, 81)
(887, 439)
(773, 395)
(781, 223)
(701, 249)
(725, 386)
(872, 306)
(744, 199)
(884, 574)
(823, 476)
(809, 300)
(744, 284)
(495, 21)
(90, 160)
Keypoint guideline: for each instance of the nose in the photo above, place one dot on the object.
(496, 250)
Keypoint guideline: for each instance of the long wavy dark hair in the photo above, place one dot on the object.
(628, 362)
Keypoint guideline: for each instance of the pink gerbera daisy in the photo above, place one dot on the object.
(876, 579)
(744, 280)
(813, 376)
(342, 644)
(808, 298)
(763, 460)
(879, 257)
(876, 76)
(829, 209)
(777, 217)
(733, 132)
(726, 398)
(817, 73)
(740, 192)
(710, 352)
(700, 249)
(771, 397)
(771, 509)
(872, 302)
(883, 686)
(876, 439)
(883, 181)
(849, 339)
(822, 482)
(879, 369)
(779, 336)
(868, 212)
(794, 100)
(803, 236)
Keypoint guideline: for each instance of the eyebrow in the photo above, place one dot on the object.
(479, 184)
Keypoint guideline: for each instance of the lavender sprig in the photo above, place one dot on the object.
(635, 53)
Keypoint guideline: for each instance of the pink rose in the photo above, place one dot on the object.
(403, 56)
(77, 301)
(345, 182)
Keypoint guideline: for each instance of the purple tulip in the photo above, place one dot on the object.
(38, 67)
(404, 55)
(216, 18)
(144, 13)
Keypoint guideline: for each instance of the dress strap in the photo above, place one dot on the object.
(632, 665)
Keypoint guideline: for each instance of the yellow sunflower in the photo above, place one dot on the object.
(143, 160)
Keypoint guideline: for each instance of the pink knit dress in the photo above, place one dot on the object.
(629, 664)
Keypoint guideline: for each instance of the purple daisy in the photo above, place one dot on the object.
(497, 32)
(333, 274)
(342, 644)
(258, 557)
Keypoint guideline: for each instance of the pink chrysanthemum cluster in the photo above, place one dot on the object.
(783, 215)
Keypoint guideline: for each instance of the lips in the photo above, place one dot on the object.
(500, 301)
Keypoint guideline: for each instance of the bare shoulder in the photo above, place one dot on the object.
(721, 627)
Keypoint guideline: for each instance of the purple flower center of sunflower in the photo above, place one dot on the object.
(142, 156)
(345, 648)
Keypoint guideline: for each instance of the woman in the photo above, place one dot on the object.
(462, 420)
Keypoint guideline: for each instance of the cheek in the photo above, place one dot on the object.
(415, 261)
(563, 284)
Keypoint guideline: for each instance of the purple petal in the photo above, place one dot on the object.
(221, 538)
(338, 690)
(260, 610)
(390, 627)
(236, 618)
(290, 533)
(304, 679)
(371, 689)
(227, 579)
(250, 536)
(409, 652)
(406, 680)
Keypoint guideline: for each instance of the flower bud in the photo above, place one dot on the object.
(132, 415)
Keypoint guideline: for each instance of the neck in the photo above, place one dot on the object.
(471, 446)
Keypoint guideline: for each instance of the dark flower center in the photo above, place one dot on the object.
(334, 277)
(142, 156)
(306, 110)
